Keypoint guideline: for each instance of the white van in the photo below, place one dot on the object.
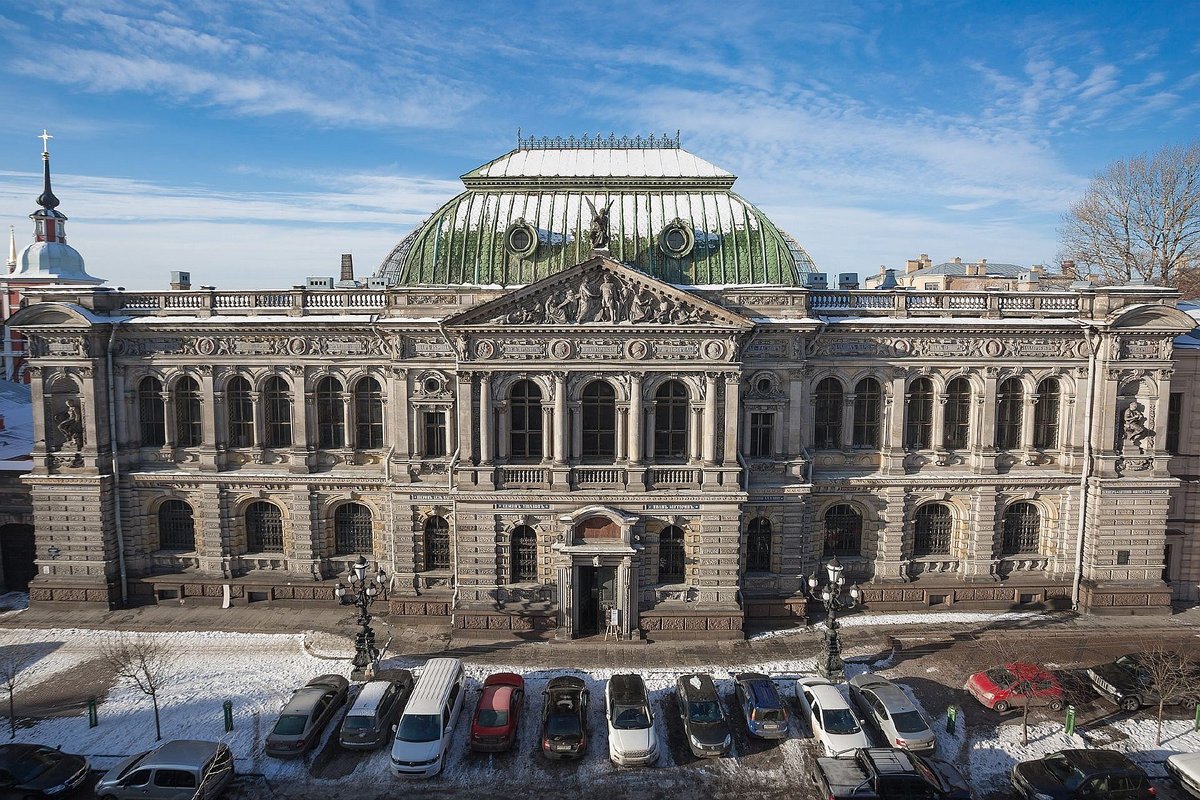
(427, 724)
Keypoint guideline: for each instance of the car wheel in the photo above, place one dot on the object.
(1130, 703)
(1190, 703)
(1056, 705)
(1001, 707)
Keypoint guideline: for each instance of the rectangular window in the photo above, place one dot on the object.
(762, 434)
(1174, 417)
(435, 434)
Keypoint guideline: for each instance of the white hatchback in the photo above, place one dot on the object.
(833, 721)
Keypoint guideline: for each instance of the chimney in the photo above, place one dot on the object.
(889, 280)
(926, 261)
(911, 266)
(347, 267)
(1068, 270)
(181, 281)
(957, 260)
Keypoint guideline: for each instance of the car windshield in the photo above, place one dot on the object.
(630, 717)
(707, 711)
(419, 728)
(839, 720)
(1128, 662)
(290, 725)
(358, 722)
(32, 765)
(1063, 771)
(1001, 677)
(909, 722)
(767, 715)
(562, 725)
(492, 718)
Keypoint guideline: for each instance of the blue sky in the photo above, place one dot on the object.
(252, 142)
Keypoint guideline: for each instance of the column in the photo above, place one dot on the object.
(566, 602)
(502, 437)
(452, 426)
(256, 412)
(400, 413)
(695, 424)
(635, 419)
(485, 418)
(547, 432)
(710, 418)
(560, 418)
(797, 422)
(848, 421)
(350, 431)
(301, 403)
(733, 385)
(465, 396)
(622, 434)
(1027, 414)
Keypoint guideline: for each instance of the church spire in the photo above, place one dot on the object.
(12, 248)
(46, 200)
(49, 223)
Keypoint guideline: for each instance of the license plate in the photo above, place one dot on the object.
(562, 748)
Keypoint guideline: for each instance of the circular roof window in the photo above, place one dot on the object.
(677, 239)
(521, 239)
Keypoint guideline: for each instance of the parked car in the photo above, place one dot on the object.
(180, 770)
(564, 718)
(427, 724)
(1184, 768)
(1128, 683)
(370, 722)
(494, 726)
(34, 770)
(886, 708)
(632, 740)
(833, 721)
(1091, 774)
(888, 773)
(763, 709)
(305, 716)
(704, 722)
(1015, 684)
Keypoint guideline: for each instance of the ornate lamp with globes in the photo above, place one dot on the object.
(830, 666)
(361, 593)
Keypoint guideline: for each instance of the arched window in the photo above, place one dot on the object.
(843, 531)
(934, 524)
(919, 428)
(352, 530)
(189, 430)
(758, 545)
(264, 528)
(670, 421)
(1045, 415)
(152, 416)
(868, 400)
(523, 554)
(599, 421)
(1008, 414)
(437, 543)
(176, 528)
(957, 426)
(368, 414)
(331, 413)
(525, 422)
(278, 406)
(827, 430)
(1022, 530)
(240, 407)
(670, 555)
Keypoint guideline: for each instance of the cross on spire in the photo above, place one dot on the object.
(45, 137)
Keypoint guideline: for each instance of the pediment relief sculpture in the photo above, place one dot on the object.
(603, 298)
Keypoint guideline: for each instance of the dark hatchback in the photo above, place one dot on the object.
(33, 770)
(1091, 774)
(703, 717)
(564, 718)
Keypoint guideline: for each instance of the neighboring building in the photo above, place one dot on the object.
(921, 273)
(1182, 441)
(593, 390)
(16, 510)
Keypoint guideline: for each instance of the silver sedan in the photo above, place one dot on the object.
(888, 710)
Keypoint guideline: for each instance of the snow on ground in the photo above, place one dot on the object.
(13, 603)
(927, 618)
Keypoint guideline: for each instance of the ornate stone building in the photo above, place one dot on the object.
(592, 389)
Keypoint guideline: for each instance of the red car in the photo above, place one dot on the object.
(494, 726)
(1016, 684)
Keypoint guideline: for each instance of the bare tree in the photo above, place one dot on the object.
(1140, 219)
(13, 661)
(1027, 681)
(145, 661)
(1172, 675)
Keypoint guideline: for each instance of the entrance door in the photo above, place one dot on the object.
(597, 594)
(17, 552)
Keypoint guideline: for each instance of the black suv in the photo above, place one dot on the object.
(703, 717)
(1091, 774)
(1130, 685)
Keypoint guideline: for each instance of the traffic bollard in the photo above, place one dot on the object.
(93, 717)
(228, 708)
(951, 719)
(1070, 723)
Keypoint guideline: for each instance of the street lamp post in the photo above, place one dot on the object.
(830, 665)
(362, 593)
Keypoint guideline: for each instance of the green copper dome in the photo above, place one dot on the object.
(527, 215)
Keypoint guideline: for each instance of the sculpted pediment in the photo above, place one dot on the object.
(600, 292)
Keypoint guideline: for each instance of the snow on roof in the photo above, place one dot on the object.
(16, 406)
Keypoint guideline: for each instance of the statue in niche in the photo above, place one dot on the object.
(70, 426)
(598, 232)
(1134, 425)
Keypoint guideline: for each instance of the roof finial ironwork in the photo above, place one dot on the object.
(45, 137)
(599, 142)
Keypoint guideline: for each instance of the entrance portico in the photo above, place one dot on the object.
(597, 563)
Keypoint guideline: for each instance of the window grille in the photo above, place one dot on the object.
(352, 530)
(1008, 414)
(843, 531)
(1045, 415)
(152, 417)
(524, 555)
(670, 421)
(525, 422)
(868, 400)
(1174, 417)
(437, 543)
(331, 412)
(957, 426)
(241, 412)
(368, 414)
(827, 430)
(670, 555)
(264, 528)
(1022, 529)
(189, 430)
(934, 524)
(762, 434)
(435, 434)
(176, 527)
(758, 545)
(919, 430)
(599, 421)
(278, 412)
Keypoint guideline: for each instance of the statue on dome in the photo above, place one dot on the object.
(598, 232)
